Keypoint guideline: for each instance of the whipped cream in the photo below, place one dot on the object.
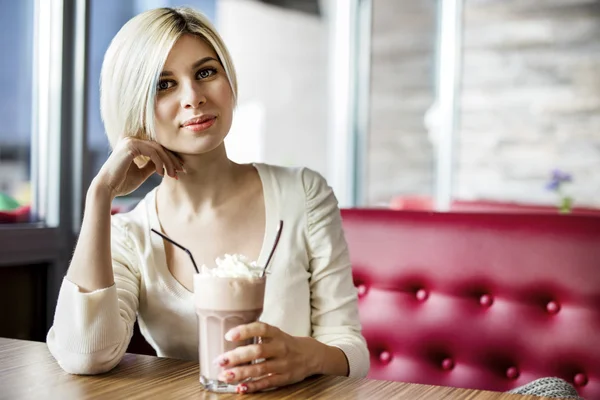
(232, 266)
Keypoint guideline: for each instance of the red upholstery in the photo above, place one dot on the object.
(484, 301)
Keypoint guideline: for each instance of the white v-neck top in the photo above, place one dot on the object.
(309, 289)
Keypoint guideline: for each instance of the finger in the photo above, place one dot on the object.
(168, 162)
(177, 162)
(257, 370)
(246, 354)
(268, 382)
(249, 331)
(177, 157)
(147, 170)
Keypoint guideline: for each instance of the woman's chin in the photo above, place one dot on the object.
(197, 148)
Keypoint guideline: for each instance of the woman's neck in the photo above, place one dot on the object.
(209, 181)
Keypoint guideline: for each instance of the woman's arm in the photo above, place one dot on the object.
(328, 360)
(334, 300)
(93, 321)
(91, 266)
(92, 327)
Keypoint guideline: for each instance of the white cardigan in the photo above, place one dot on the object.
(309, 290)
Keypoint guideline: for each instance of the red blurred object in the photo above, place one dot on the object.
(424, 203)
(17, 216)
(484, 301)
(115, 210)
(505, 207)
(412, 203)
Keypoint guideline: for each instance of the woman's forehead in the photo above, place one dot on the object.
(187, 50)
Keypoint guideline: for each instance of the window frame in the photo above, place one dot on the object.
(57, 145)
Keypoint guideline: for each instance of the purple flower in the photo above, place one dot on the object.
(558, 177)
(552, 185)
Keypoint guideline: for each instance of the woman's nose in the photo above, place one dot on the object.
(192, 96)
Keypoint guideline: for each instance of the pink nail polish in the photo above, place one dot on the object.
(221, 361)
(229, 375)
(241, 389)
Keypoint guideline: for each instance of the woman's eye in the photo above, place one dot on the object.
(205, 73)
(163, 85)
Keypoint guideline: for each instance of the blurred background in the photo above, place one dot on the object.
(409, 104)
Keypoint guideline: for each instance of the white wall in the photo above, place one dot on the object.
(281, 61)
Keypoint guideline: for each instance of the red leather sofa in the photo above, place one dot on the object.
(485, 301)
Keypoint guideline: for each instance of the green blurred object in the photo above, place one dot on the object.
(7, 203)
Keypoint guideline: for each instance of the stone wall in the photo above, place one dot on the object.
(530, 100)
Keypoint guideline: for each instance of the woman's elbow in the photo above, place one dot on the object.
(86, 364)
(94, 363)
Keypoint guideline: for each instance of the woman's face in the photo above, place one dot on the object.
(194, 103)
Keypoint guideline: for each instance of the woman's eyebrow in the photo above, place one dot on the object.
(194, 66)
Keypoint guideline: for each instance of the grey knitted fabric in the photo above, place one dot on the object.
(548, 387)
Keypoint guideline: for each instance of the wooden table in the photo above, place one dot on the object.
(28, 371)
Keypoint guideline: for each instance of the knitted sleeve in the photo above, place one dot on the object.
(91, 331)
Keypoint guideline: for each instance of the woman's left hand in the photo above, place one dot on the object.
(287, 359)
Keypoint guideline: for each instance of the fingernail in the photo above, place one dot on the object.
(229, 375)
(232, 336)
(242, 388)
(221, 361)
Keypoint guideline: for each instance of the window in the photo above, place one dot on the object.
(400, 156)
(530, 101)
(16, 43)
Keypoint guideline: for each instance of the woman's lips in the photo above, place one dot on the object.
(200, 126)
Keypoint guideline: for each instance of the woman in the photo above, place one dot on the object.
(168, 90)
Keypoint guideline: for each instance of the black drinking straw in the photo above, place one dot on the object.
(178, 245)
(279, 228)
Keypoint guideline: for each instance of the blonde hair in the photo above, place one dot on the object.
(134, 60)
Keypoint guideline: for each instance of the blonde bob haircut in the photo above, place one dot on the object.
(133, 63)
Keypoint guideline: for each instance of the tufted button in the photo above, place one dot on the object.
(486, 300)
(512, 373)
(447, 364)
(362, 290)
(580, 379)
(552, 307)
(385, 357)
(421, 294)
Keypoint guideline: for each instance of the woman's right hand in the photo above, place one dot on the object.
(121, 175)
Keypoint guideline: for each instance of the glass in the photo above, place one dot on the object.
(16, 45)
(400, 153)
(223, 303)
(530, 102)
